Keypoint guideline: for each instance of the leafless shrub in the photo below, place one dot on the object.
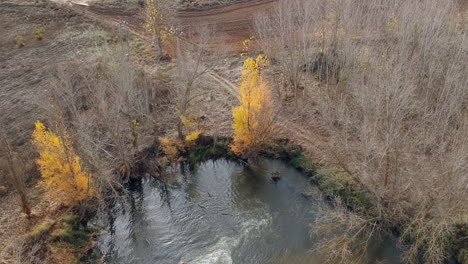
(18, 251)
(105, 106)
(15, 171)
(344, 235)
(194, 60)
(286, 35)
(24, 253)
(305, 36)
(397, 117)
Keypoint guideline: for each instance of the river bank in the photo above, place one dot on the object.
(69, 240)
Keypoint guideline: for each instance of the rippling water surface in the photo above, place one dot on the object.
(219, 213)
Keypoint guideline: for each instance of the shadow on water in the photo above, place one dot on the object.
(220, 212)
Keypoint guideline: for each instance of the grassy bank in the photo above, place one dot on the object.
(63, 237)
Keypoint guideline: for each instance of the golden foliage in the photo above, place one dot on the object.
(155, 21)
(253, 118)
(246, 46)
(135, 126)
(193, 136)
(152, 16)
(62, 175)
(192, 126)
(171, 147)
(188, 123)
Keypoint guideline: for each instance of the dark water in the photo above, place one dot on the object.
(220, 213)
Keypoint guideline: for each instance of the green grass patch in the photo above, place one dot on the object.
(332, 184)
(70, 233)
(458, 243)
(207, 148)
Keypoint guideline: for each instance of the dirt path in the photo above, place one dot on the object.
(235, 21)
(110, 21)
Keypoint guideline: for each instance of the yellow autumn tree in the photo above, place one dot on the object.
(61, 171)
(253, 118)
(156, 24)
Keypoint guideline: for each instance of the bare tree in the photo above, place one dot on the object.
(397, 117)
(15, 173)
(344, 235)
(104, 104)
(287, 35)
(194, 60)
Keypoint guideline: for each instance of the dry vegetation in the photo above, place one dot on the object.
(96, 86)
(376, 90)
(36, 81)
(391, 96)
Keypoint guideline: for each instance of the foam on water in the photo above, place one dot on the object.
(221, 252)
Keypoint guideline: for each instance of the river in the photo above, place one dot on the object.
(220, 213)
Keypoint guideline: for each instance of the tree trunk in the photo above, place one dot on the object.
(25, 203)
(180, 133)
(158, 49)
(17, 178)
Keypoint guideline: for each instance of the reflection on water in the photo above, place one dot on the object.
(220, 213)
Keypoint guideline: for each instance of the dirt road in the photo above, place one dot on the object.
(233, 23)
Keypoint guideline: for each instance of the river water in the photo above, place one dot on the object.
(220, 213)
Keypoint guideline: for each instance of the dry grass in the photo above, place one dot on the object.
(344, 235)
(25, 74)
(383, 81)
(391, 98)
